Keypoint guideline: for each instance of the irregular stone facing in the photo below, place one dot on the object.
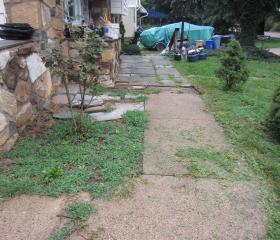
(23, 91)
(4, 59)
(43, 86)
(18, 86)
(4, 136)
(35, 66)
(8, 102)
(3, 122)
(10, 79)
(24, 115)
(4, 129)
(9, 143)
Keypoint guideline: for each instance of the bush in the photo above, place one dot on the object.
(130, 49)
(233, 71)
(273, 121)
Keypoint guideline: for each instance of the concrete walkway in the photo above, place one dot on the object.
(275, 51)
(149, 70)
(167, 205)
(273, 34)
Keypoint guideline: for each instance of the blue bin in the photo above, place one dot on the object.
(193, 58)
(209, 44)
(203, 56)
(217, 41)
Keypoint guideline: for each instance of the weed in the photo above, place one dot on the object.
(80, 211)
(50, 174)
(63, 233)
(136, 119)
(208, 163)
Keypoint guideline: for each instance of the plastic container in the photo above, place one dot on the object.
(178, 57)
(209, 44)
(217, 41)
(112, 30)
(203, 56)
(193, 58)
(199, 43)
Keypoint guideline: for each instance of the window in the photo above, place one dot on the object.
(76, 11)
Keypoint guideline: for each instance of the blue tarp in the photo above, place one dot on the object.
(151, 37)
(155, 14)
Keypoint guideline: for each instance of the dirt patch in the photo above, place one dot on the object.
(5, 164)
(173, 208)
(42, 122)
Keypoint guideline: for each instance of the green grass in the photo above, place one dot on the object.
(63, 233)
(242, 114)
(272, 43)
(208, 163)
(142, 95)
(60, 162)
(79, 213)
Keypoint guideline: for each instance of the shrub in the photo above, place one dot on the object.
(233, 71)
(273, 121)
(130, 49)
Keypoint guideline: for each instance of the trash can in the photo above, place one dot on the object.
(209, 44)
(217, 41)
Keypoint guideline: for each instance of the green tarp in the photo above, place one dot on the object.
(153, 36)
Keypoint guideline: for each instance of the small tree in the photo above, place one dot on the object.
(56, 61)
(91, 46)
(233, 71)
(273, 121)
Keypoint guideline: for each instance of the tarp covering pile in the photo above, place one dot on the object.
(151, 37)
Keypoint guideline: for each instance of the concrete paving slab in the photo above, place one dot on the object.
(169, 208)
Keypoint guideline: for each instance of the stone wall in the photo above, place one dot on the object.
(46, 16)
(25, 86)
(110, 59)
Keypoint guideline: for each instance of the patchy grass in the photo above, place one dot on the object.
(142, 95)
(272, 43)
(79, 213)
(242, 115)
(136, 119)
(60, 162)
(209, 163)
(63, 233)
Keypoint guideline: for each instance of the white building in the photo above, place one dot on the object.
(135, 12)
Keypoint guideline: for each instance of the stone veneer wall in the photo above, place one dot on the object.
(110, 59)
(25, 86)
(46, 16)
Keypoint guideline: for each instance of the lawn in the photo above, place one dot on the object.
(59, 161)
(272, 43)
(242, 115)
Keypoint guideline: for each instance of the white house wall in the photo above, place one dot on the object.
(119, 7)
(130, 22)
(133, 3)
